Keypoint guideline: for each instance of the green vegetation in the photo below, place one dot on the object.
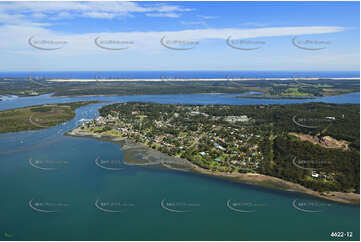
(42, 109)
(38, 117)
(22, 87)
(302, 88)
(279, 88)
(250, 138)
(275, 97)
(338, 170)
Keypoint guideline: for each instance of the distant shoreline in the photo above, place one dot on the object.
(252, 178)
(278, 97)
(198, 79)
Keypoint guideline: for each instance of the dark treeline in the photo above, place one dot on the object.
(343, 167)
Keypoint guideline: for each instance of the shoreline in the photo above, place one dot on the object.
(281, 97)
(131, 150)
(240, 95)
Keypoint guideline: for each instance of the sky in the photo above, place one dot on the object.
(150, 36)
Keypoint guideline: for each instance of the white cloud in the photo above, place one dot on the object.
(61, 15)
(81, 52)
(11, 18)
(38, 15)
(193, 23)
(169, 8)
(15, 37)
(105, 10)
(207, 17)
(102, 15)
(168, 15)
(253, 24)
(199, 34)
(21, 20)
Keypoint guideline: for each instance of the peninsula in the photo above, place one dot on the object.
(270, 145)
(38, 117)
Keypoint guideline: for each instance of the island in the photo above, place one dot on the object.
(311, 148)
(38, 117)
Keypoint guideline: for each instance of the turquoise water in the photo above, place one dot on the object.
(61, 204)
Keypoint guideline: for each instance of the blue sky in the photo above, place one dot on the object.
(106, 36)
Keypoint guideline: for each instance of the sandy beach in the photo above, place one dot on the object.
(140, 154)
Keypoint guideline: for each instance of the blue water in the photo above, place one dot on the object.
(230, 99)
(79, 183)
